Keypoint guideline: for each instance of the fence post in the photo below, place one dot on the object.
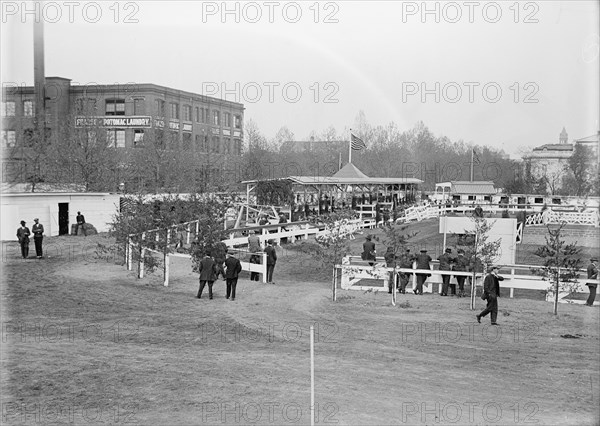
(141, 263)
(129, 255)
(264, 267)
(166, 271)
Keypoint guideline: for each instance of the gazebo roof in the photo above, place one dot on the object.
(347, 175)
(350, 171)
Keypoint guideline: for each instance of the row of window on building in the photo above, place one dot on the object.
(117, 107)
(9, 109)
(116, 139)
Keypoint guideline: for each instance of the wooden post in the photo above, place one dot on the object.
(394, 286)
(264, 267)
(141, 265)
(166, 270)
(312, 375)
(334, 284)
(129, 254)
(556, 292)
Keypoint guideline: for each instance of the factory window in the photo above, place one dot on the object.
(197, 115)
(238, 122)
(237, 147)
(227, 146)
(187, 141)
(160, 107)
(187, 113)
(227, 119)
(8, 109)
(216, 118)
(215, 145)
(115, 138)
(138, 138)
(28, 108)
(139, 106)
(115, 107)
(175, 110)
(9, 138)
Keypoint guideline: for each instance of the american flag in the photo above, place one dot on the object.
(356, 143)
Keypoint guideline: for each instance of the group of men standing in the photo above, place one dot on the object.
(210, 269)
(23, 234)
(423, 261)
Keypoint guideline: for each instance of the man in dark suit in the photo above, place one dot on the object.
(233, 267)
(208, 274)
(80, 224)
(446, 260)
(423, 262)
(491, 292)
(369, 251)
(406, 261)
(461, 264)
(592, 274)
(271, 260)
(23, 234)
(38, 237)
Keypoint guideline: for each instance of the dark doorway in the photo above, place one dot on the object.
(63, 218)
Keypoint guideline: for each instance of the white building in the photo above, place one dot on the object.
(56, 211)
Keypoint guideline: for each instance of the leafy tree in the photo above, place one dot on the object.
(396, 238)
(580, 170)
(164, 213)
(561, 263)
(482, 253)
(334, 242)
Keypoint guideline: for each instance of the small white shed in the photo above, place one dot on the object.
(56, 211)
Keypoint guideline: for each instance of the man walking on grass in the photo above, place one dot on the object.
(491, 292)
(208, 274)
(233, 267)
(592, 274)
(271, 260)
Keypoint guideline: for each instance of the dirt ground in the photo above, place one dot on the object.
(86, 342)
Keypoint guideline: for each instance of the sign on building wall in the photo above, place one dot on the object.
(114, 121)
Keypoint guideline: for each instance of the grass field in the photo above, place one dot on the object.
(85, 342)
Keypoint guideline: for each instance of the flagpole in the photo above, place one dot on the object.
(350, 148)
(472, 152)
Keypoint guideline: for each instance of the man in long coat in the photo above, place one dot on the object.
(208, 274)
(491, 292)
(271, 260)
(23, 234)
(233, 267)
(423, 262)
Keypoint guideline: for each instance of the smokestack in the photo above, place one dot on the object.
(39, 77)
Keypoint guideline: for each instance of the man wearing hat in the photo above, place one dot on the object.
(271, 260)
(491, 292)
(254, 247)
(369, 251)
(446, 260)
(406, 261)
(461, 263)
(592, 274)
(38, 236)
(423, 262)
(233, 268)
(208, 270)
(23, 234)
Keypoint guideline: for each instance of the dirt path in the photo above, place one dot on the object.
(84, 340)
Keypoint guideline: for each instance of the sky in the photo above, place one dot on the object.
(505, 74)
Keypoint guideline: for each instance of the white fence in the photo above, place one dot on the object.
(419, 213)
(291, 231)
(353, 270)
(550, 217)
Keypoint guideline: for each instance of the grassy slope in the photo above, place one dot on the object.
(163, 357)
